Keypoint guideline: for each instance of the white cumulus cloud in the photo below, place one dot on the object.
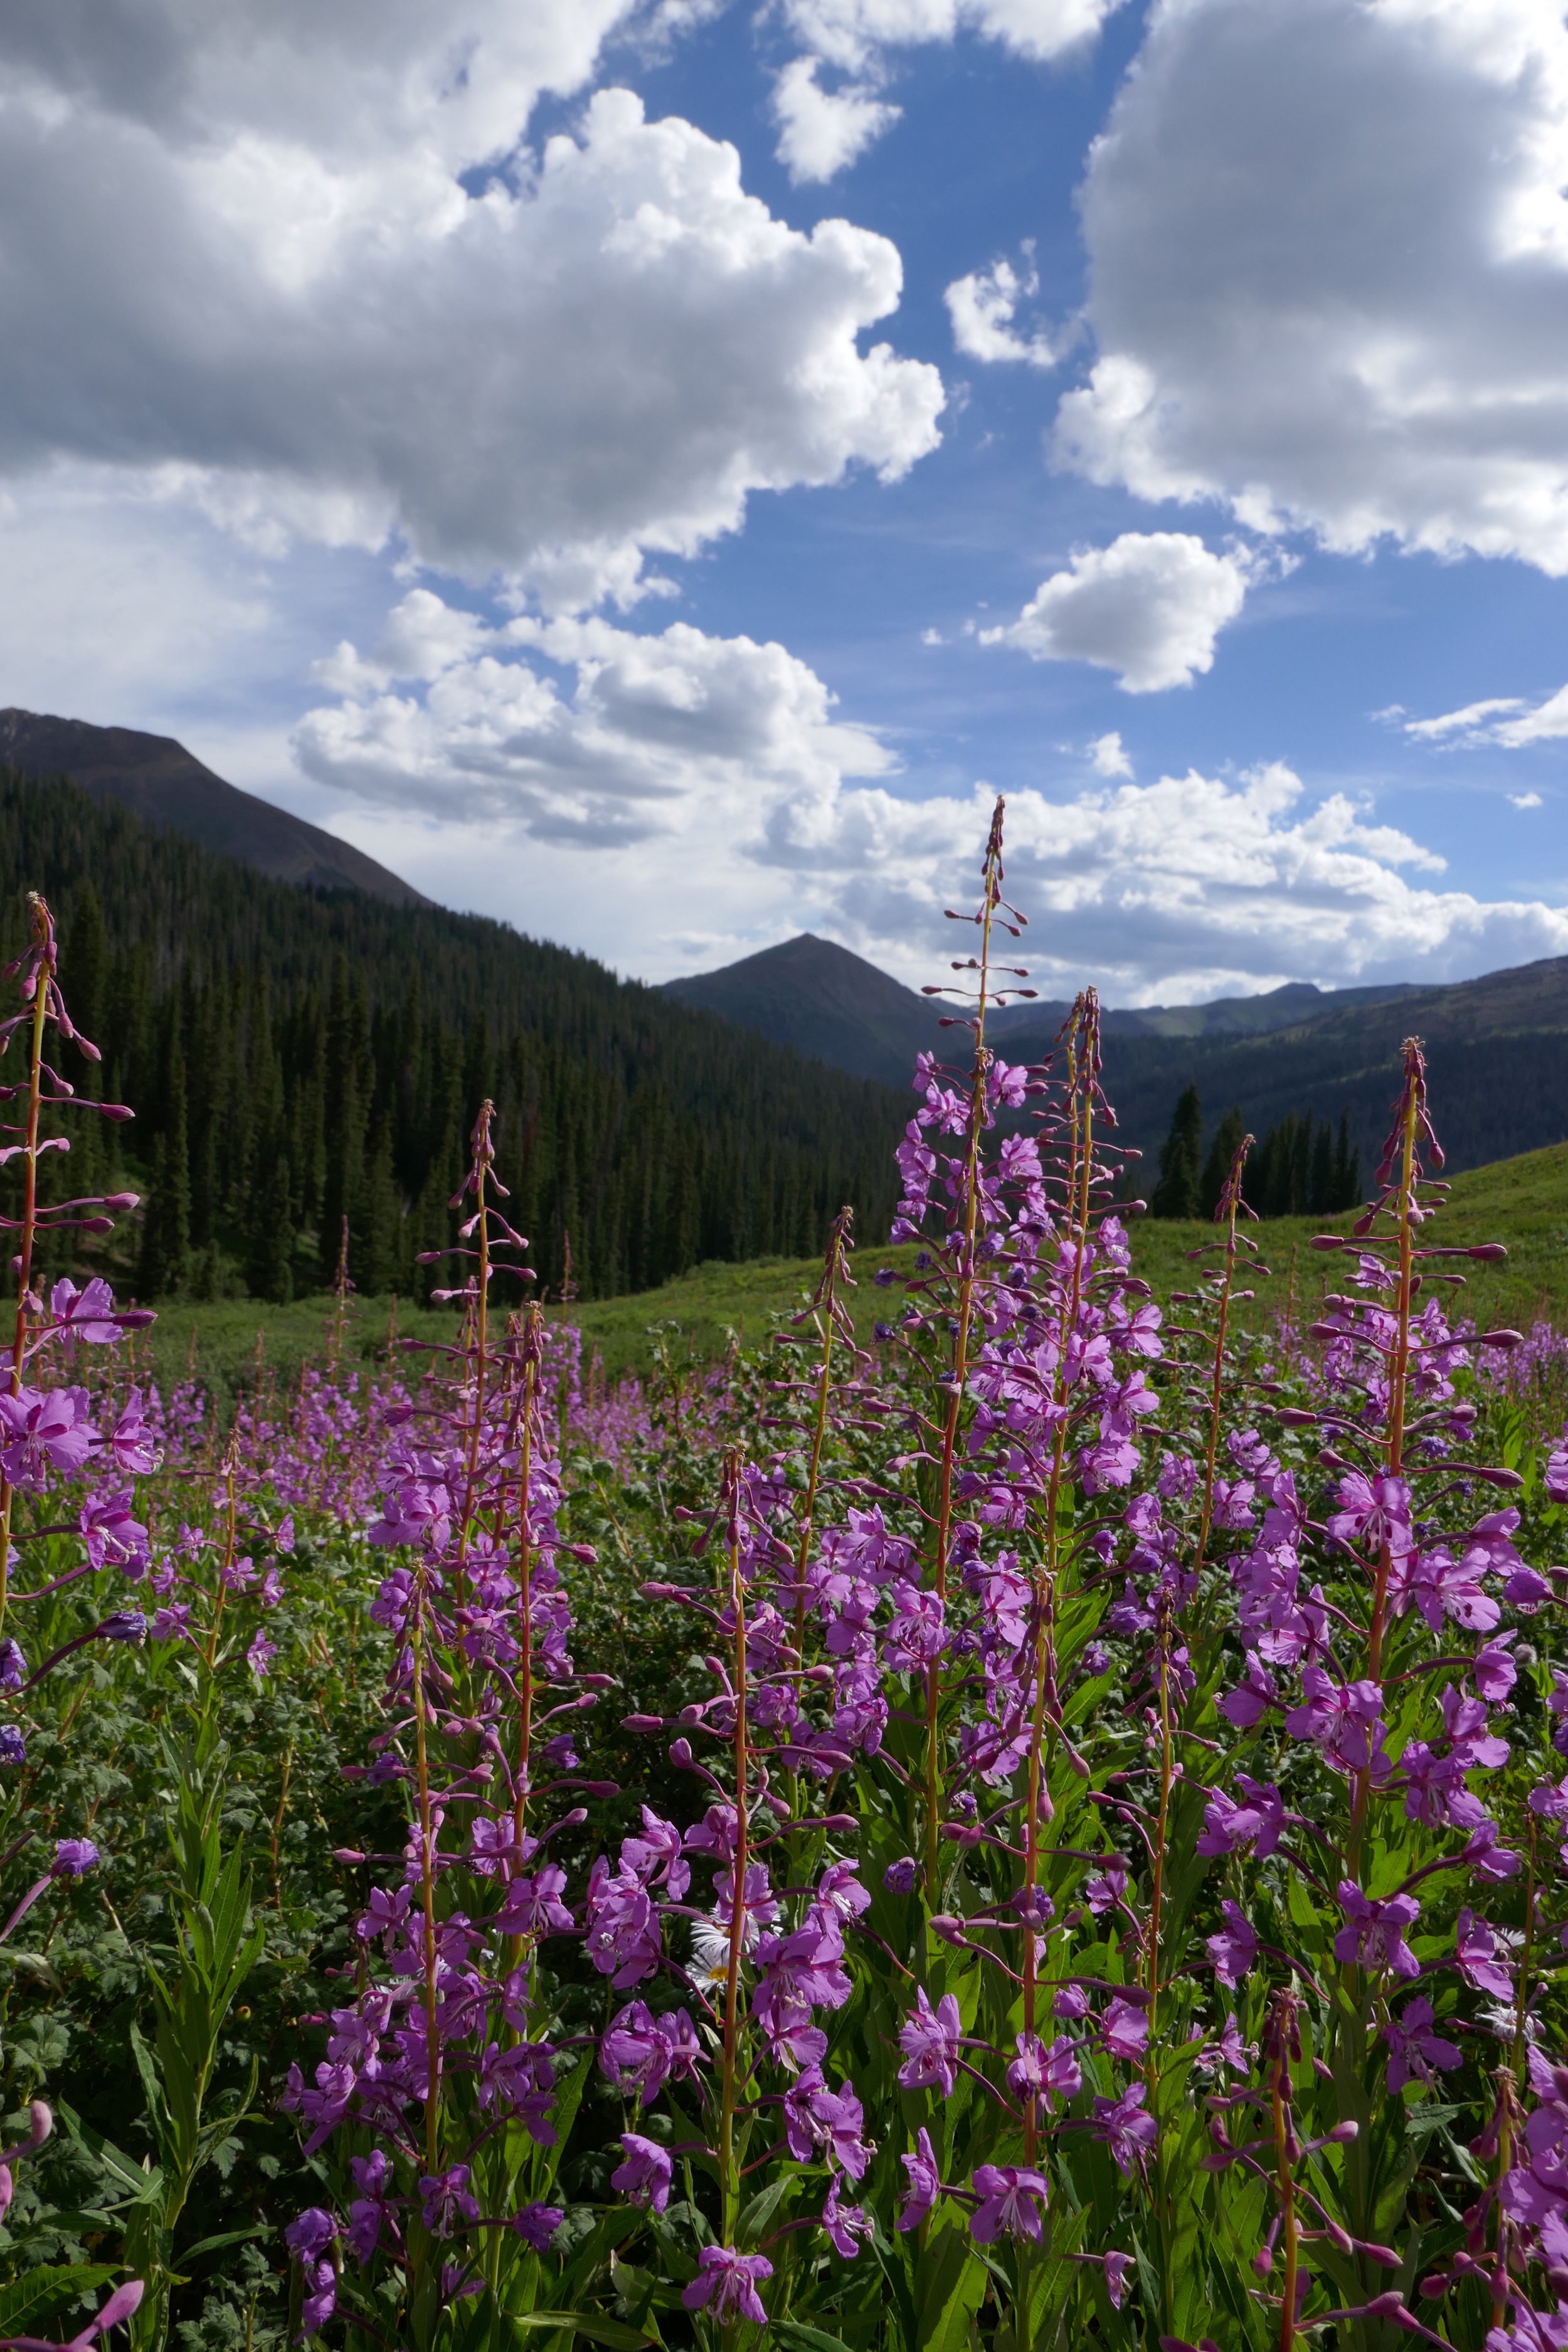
(982, 306)
(689, 797)
(1506, 720)
(240, 263)
(821, 130)
(1108, 756)
(1150, 606)
(1329, 272)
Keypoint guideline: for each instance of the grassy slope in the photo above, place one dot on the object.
(1521, 1202)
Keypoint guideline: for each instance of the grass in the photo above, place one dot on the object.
(1521, 1202)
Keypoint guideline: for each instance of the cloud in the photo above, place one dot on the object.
(240, 264)
(822, 131)
(692, 797)
(657, 732)
(1525, 800)
(1328, 246)
(1107, 755)
(1150, 606)
(1494, 721)
(982, 308)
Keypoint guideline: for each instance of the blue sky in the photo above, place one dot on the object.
(557, 452)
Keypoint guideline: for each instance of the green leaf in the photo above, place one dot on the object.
(809, 2339)
(591, 2324)
(44, 2290)
(226, 2238)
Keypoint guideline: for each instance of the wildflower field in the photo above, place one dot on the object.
(1010, 1811)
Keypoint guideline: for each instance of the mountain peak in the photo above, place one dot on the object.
(155, 778)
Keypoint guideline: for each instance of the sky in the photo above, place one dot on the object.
(654, 470)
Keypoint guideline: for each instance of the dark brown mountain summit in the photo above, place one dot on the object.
(155, 778)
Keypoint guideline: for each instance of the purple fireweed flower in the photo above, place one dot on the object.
(726, 2284)
(1229, 2050)
(1235, 1948)
(1476, 1952)
(1441, 1586)
(445, 2201)
(655, 1857)
(133, 1443)
(312, 2234)
(1257, 1820)
(1372, 1511)
(1373, 1932)
(1493, 1670)
(123, 1625)
(634, 2053)
(929, 2040)
(13, 1746)
(917, 1634)
(1556, 1473)
(1124, 2030)
(1105, 1890)
(645, 2175)
(1342, 1720)
(1126, 2129)
(12, 1665)
(1251, 1700)
(533, 1907)
(536, 2224)
(43, 1430)
(84, 1314)
(320, 2297)
(1045, 2072)
(1415, 2051)
(834, 2121)
(846, 2224)
(114, 1536)
(925, 2182)
(74, 1857)
(259, 1657)
(1010, 2202)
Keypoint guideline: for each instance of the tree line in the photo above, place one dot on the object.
(1304, 1167)
(297, 1058)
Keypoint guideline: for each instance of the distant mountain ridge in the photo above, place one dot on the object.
(155, 778)
(1497, 1046)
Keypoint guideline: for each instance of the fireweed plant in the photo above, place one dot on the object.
(1091, 1864)
(54, 1452)
(1120, 1896)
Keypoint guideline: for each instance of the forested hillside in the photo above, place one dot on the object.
(295, 1056)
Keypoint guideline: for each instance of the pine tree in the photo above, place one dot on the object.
(1226, 1141)
(166, 1228)
(1180, 1160)
(269, 1269)
(1347, 1168)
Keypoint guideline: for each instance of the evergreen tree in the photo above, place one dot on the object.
(166, 1226)
(1347, 1168)
(1178, 1191)
(1323, 1196)
(270, 1269)
(1226, 1142)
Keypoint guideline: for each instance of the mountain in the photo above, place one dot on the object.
(825, 1003)
(1497, 1047)
(157, 779)
(1496, 1057)
(296, 1057)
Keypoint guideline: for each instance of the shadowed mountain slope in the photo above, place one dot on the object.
(155, 778)
(1497, 1047)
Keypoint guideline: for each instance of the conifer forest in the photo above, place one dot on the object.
(1045, 1827)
